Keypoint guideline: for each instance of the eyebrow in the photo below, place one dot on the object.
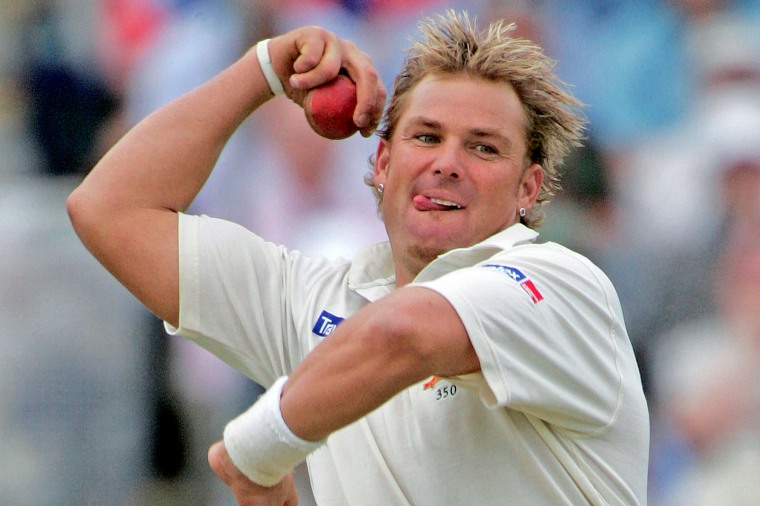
(425, 122)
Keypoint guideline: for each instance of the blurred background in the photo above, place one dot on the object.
(99, 407)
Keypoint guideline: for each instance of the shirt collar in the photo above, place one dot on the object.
(467, 257)
(372, 274)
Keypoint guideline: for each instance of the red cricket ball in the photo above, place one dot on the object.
(330, 108)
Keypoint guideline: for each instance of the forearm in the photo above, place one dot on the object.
(367, 360)
(344, 378)
(125, 211)
(163, 162)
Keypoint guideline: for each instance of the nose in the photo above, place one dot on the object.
(448, 161)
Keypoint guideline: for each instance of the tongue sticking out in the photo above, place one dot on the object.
(422, 203)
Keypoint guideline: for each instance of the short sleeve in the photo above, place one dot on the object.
(547, 335)
(233, 287)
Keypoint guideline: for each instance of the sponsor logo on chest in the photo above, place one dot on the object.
(326, 323)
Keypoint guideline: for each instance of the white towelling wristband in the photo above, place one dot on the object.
(265, 62)
(261, 445)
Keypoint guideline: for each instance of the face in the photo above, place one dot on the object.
(455, 171)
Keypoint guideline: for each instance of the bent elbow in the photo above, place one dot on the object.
(81, 210)
(73, 205)
(75, 209)
(91, 218)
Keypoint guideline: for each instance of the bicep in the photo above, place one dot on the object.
(433, 327)
(387, 346)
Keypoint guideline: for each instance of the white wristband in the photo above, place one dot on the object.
(265, 62)
(261, 445)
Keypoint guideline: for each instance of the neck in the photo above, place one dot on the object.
(408, 269)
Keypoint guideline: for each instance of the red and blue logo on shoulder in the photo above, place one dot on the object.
(520, 278)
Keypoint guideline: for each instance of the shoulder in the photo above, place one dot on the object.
(550, 255)
(554, 266)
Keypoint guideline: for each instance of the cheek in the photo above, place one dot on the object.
(499, 194)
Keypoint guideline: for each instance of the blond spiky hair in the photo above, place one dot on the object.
(452, 44)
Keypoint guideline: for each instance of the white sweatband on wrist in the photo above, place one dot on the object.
(265, 62)
(261, 445)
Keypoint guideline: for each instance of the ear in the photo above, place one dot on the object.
(530, 186)
(381, 161)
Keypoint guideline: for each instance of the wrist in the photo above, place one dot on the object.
(265, 63)
(261, 444)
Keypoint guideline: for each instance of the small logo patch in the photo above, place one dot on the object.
(520, 278)
(430, 383)
(326, 323)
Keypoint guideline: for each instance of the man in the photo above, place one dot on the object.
(461, 363)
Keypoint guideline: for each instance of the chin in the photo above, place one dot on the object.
(427, 241)
(432, 246)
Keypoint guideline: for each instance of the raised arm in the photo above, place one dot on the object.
(125, 211)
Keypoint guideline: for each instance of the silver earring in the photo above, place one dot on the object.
(523, 212)
(380, 188)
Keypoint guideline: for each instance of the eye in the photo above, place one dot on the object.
(486, 149)
(427, 138)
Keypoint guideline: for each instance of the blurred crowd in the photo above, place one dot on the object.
(99, 406)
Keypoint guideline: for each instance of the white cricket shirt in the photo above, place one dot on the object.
(557, 415)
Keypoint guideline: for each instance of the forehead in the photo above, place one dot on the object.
(461, 101)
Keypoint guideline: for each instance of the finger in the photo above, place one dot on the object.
(377, 113)
(216, 456)
(290, 487)
(367, 93)
(370, 91)
(319, 59)
(310, 52)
